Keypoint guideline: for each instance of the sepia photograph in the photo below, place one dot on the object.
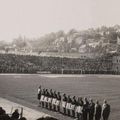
(59, 59)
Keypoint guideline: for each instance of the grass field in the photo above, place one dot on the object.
(96, 86)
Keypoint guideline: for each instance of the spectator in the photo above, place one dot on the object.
(22, 118)
(47, 118)
(2, 111)
(15, 115)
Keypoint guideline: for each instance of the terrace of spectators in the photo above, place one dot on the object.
(14, 63)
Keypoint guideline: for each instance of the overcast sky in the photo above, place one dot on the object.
(34, 18)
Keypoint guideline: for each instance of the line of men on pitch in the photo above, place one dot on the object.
(82, 109)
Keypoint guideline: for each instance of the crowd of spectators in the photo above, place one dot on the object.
(14, 116)
(12, 63)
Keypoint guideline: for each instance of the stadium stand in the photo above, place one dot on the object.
(12, 63)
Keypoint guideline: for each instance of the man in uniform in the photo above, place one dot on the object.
(85, 109)
(79, 108)
(58, 102)
(39, 94)
(98, 110)
(73, 106)
(42, 97)
(105, 110)
(91, 109)
(46, 98)
(64, 102)
(68, 105)
(54, 101)
(50, 99)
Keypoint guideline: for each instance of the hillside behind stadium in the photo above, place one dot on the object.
(92, 51)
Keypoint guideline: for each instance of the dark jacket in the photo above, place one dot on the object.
(98, 110)
(91, 108)
(15, 115)
(105, 110)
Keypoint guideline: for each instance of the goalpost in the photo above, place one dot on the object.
(71, 71)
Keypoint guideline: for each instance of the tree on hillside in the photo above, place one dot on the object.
(60, 34)
(3, 45)
(20, 42)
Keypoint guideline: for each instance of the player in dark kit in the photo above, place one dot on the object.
(79, 108)
(68, 105)
(46, 98)
(64, 102)
(73, 106)
(50, 99)
(98, 110)
(91, 109)
(58, 102)
(105, 110)
(54, 101)
(39, 94)
(85, 109)
(42, 97)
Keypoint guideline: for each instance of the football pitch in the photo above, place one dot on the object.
(98, 87)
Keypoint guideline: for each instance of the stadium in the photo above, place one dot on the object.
(81, 77)
(59, 60)
(84, 75)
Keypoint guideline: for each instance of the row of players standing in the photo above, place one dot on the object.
(82, 109)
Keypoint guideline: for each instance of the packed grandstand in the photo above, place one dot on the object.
(14, 63)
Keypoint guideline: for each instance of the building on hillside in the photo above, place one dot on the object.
(79, 40)
(70, 55)
(116, 63)
(82, 49)
(104, 41)
(118, 40)
(2, 51)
